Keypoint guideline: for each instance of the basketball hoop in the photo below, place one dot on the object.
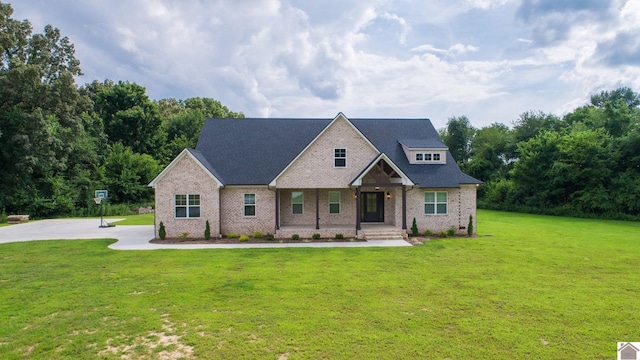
(97, 200)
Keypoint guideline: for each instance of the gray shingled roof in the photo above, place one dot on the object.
(423, 143)
(255, 151)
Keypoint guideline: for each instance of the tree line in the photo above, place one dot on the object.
(585, 163)
(59, 142)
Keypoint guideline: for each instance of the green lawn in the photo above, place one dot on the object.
(144, 219)
(539, 288)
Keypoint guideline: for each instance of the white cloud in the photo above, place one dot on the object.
(382, 58)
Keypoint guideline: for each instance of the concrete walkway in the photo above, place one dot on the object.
(136, 237)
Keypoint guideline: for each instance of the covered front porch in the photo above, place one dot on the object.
(375, 199)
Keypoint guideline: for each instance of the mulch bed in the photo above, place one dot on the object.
(251, 241)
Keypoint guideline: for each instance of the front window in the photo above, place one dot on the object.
(419, 157)
(340, 157)
(297, 202)
(334, 202)
(435, 203)
(436, 157)
(187, 206)
(249, 204)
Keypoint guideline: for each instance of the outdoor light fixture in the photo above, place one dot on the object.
(388, 195)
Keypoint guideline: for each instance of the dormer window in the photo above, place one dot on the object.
(340, 158)
(427, 157)
(425, 151)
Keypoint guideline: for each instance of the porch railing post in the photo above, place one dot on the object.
(404, 207)
(358, 227)
(277, 209)
(317, 208)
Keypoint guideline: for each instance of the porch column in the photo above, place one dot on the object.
(358, 227)
(277, 209)
(317, 208)
(404, 207)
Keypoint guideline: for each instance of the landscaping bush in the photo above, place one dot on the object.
(414, 228)
(232, 235)
(162, 232)
(443, 234)
(243, 238)
(258, 235)
(428, 233)
(451, 231)
(207, 231)
(339, 236)
(315, 236)
(270, 237)
(184, 235)
(295, 237)
(470, 226)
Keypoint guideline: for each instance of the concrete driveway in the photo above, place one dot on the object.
(136, 237)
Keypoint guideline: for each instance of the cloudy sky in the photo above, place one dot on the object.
(490, 60)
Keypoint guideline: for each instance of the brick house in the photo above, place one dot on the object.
(307, 176)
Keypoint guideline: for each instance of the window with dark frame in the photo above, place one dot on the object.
(340, 157)
(249, 204)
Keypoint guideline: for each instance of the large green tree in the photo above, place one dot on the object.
(128, 115)
(44, 146)
(458, 136)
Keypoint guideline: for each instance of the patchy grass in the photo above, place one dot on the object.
(540, 287)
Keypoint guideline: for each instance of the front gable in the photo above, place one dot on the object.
(320, 164)
(178, 166)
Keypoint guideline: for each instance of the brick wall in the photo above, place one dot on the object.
(461, 204)
(347, 213)
(187, 177)
(315, 167)
(233, 219)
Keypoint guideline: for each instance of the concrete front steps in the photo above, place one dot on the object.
(386, 234)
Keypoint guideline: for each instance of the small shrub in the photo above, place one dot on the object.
(443, 234)
(428, 233)
(270, 237)
(232, 235)
(258, 235)
(315, 236)
(162, 232)
(339, 236)
(414, 228)
(470, 226)
(295, 237)
(243, 238)
(451, 231)
(207, 231)
(184, 235)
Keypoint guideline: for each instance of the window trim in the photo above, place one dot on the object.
(430, 157)
(435, 202)
(335, 203)
(187, 206)
(301, 203)
(246, 205)
(339, 156)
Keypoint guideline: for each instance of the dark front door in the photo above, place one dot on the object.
(372, 207)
